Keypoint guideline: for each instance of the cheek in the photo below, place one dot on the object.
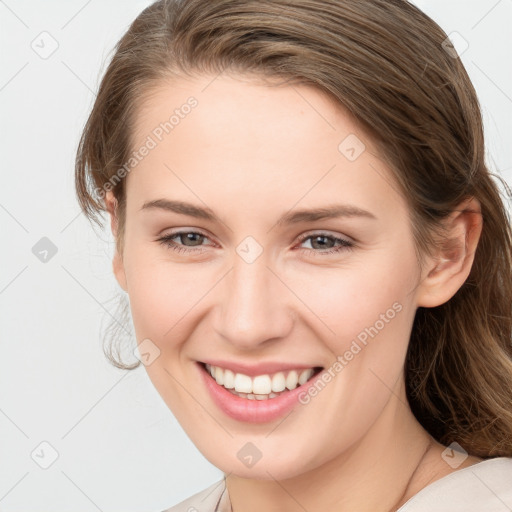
(165, 297)
(359, 301)
(158, 300)
(369, 313)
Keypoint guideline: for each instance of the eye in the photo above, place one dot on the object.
(189, 241)
(328, 244)
(192, 241)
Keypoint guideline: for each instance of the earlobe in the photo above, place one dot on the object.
(117, 261)
(449, 268)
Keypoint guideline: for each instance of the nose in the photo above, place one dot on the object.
(254, 306)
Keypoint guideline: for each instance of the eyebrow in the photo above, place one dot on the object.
(292, 217)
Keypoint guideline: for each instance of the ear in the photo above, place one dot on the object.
(447, 270)
(117, 261)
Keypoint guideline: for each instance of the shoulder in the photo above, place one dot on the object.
(486, 485)
(207, 500)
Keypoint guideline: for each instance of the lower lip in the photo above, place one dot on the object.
(253, 411)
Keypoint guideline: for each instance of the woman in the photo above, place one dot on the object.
(317, 259)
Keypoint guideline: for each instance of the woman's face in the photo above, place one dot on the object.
(268, 279)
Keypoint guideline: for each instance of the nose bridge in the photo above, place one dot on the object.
(253, 308)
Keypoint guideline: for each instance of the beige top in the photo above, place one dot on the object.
(482, 487)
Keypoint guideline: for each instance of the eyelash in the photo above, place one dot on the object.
(345, 244)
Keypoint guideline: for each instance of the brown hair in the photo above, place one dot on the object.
(389, 65)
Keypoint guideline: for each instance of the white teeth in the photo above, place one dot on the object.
(260, 387)
(278, 382)
(305, 375)
(292, 379)
(219, 375)
(252, 396)
(229, 379)
(243, 383)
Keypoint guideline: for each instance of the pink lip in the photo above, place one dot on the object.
(253, 411)
(257, 369)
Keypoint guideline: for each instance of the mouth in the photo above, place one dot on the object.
(258, 398)
(261, 387)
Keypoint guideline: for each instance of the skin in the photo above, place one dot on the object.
(252, 152)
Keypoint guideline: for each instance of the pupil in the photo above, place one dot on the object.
(322, 244)
(191, 237)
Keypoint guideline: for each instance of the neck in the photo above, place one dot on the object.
(379, 473)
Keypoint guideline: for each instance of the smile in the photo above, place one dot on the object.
(259, 398)
(260, 387)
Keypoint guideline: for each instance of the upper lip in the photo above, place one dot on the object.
(261, 368)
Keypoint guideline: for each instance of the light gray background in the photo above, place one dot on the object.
(119, 447)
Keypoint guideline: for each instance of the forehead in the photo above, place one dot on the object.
(250, 100)
(238, 137)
